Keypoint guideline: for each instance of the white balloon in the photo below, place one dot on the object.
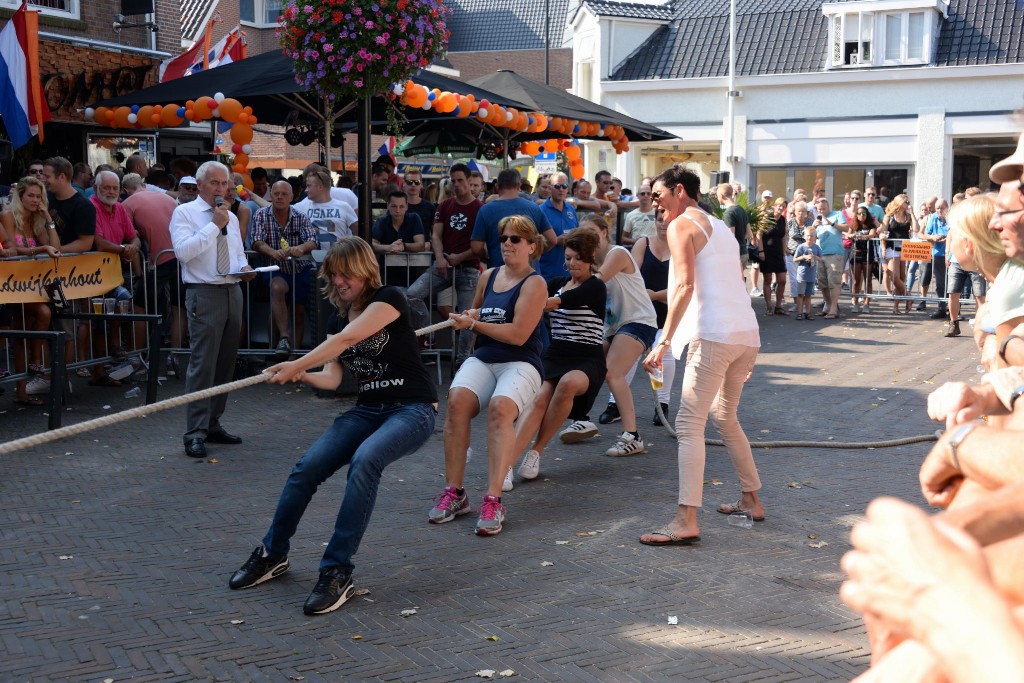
(482, 111)
(426, 105)
(398, 89)
(133, 118)
(508, 116)
(247, 149)
(90, 113)
(600, 132)
(219, 97)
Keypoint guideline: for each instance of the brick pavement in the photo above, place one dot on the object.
(117, 548)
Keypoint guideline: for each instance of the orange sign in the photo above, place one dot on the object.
(916, 250)
(81, 275)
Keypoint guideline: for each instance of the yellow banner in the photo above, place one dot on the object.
(81, 276)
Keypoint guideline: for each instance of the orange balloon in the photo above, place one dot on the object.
(154, 119)
(238, 168)
(242, 118)
(242, 160)
(253, 120)
(100, 115)
(202, 109)
(229, 109)
(531, 148)
(169, 116)
(551, 146)
(121, 117)
(576, 172)
(247, 181)
(573, 152)
(144, 114)
(241, 133)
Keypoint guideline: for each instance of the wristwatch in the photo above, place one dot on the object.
(665, 342)
(958, 436)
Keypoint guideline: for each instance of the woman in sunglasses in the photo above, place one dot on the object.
(503, 374)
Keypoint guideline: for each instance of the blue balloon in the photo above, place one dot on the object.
(431, 96)
(181, 112)
(455, 112)
(576, 129)
(135, 109)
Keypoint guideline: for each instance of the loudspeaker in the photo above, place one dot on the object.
(129, 7)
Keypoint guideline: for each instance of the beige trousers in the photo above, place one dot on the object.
(712, 384)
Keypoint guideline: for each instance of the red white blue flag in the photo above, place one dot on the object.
(22, 105)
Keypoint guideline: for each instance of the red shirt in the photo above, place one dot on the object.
(151, 213)
(114, 226)
(457, 221)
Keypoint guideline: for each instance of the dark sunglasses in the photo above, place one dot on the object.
(414, 182)
(36, 171)
(516, 239)
(561, 186)
(871, 194)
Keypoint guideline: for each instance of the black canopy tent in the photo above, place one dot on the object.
(266, 82)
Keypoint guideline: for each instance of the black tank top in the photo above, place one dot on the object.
(898, 231)
(655, 274)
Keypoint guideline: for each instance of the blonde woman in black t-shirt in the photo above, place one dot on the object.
(394, 416)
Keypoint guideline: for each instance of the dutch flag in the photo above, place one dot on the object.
(22, 105)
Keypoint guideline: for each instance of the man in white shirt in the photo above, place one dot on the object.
(640, 222)
(326, 213)
(208, 245)
(343, 193)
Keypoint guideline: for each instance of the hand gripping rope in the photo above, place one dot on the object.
(142, 411)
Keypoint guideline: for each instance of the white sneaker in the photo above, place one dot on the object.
(507, 485)
(627, 444)
(756, 291)
(37, 385)
(530, 467)
(580, 430)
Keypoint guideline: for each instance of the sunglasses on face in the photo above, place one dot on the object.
(414, 182)
(515, 239)
(36, 171)
(560, 186)
(871, 194)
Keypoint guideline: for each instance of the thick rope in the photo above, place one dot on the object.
(143, 411)
(890, 443)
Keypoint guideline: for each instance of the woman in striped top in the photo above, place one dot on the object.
(574, 367)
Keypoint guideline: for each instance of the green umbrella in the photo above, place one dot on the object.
(436, 142)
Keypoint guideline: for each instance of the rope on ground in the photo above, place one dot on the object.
(143, 411)
(850, 445)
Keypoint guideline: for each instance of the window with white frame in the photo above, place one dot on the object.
(56, 8)
(260, 12)
(866, 33)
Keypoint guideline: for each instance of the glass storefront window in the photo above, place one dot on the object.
(774, 180)
(114, 149)
(846, 180)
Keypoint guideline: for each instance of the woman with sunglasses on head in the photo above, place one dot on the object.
(371, 337)
(26, 230)
(897, 227)
(503, 374)
(574, 362)
(862, 229)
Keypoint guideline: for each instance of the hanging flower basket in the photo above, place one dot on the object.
(361, 48)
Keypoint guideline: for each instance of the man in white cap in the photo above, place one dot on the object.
(1008, 223)
(188, 190)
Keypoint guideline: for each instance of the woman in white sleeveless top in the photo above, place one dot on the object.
(709, 309)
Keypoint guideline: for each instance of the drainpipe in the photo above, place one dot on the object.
(732, 94)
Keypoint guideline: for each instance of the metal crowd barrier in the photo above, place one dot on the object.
(874, 259)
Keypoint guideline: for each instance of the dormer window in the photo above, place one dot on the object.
(870, 33)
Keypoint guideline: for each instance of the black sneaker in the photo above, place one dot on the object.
(258, 569)
(332, 590)
(610, 414)
(939, 314)
(284, 347)
(657, 418)
(923, 306)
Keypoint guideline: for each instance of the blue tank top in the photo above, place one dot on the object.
(655, 274)
(500, 308)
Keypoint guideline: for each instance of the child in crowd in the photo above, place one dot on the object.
(807, 257)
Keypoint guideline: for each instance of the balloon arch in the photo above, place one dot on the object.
(409, 94)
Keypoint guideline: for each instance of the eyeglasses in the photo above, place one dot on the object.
(560, 186)
(515, 239)
(862, 213)
(36, 171)
(414, 182)
(871, 194)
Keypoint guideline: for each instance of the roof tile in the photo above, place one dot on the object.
(486, 25)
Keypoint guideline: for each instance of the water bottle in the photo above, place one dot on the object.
(741, 519)
(134, 392)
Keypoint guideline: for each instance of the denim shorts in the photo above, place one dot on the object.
(642, 333)
(805, 288)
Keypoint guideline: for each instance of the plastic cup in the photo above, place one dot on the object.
(743, 520)
(108, 305)
(657, 379)
(124, 306)
(97, 305)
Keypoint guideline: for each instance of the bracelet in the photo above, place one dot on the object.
(1006, 342)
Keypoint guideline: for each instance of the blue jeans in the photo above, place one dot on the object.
(429, 284)
(367, 439)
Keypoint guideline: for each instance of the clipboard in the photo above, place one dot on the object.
(261, 269)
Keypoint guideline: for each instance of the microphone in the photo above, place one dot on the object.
(218, 201)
